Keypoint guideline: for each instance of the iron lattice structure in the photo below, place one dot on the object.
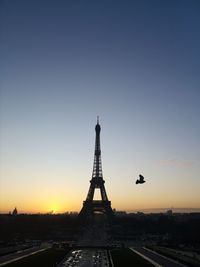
(90, 205)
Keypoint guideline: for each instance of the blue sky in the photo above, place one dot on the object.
(136, 65)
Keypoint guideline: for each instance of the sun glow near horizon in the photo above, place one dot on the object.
(125, 203)
(65, 194)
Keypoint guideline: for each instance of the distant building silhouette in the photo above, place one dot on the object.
(169, 212)
(91, 206)
(15, 212)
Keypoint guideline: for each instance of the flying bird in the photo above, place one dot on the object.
(140, 180)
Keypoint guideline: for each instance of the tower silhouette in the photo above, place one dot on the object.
(90, 206)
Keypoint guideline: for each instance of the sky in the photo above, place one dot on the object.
(136, 65)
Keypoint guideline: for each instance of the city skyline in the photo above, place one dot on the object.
(136, 65)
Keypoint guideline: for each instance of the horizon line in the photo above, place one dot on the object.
(145, 210)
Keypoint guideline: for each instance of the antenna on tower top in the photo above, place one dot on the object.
(97, 119)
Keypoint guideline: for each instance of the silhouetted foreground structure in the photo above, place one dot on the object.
(159, 229)
(165, 233)
(90, 206)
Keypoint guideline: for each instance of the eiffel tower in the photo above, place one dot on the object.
(90, 206)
